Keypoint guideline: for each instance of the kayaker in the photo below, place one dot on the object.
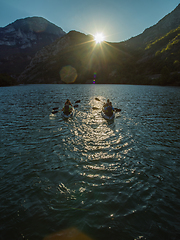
(67, 107)
(68, 102)
(111, 106)
(107, 103)
(108, 108)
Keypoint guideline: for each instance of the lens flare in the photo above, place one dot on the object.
(68, 74)
(94, 80)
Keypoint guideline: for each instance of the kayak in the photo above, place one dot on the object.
(108, 117)
(67, 116)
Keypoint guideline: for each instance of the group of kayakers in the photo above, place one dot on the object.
(107, 108)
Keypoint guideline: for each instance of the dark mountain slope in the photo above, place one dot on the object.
(164, 26)
(79, 51)
(150, 58)
(20, 40)
(162, 58)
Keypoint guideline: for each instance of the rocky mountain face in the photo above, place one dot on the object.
(20, 40)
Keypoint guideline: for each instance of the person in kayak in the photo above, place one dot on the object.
(67, 109)
(108, 108)
(107, 103)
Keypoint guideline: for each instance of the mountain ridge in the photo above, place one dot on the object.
(163, 26)
(20, 40)
(149, 58)
(35, 24)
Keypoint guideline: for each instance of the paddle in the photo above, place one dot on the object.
(54, 110)
(95, 108)
(115, 109)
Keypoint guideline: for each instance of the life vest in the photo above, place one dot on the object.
(108, 111)
(67, 109)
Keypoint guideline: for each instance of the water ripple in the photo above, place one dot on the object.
(108, 179)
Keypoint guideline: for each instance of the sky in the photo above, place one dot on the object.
(118, 20)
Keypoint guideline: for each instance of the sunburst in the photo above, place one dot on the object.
(99, 37)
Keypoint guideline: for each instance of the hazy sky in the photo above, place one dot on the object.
(117, 19)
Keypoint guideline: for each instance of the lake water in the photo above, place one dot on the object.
(110, 180)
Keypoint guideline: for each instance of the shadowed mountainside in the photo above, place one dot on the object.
(165, 25)
(20, 40)
(82, 53)
(158, 63)
(152, 57)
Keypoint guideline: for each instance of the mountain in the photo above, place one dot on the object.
(159, 61)
(157, 51)
(79, 51)
(20, 40)
(153, 57)
(165, 25)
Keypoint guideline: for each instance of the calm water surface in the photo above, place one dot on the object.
(111, 180)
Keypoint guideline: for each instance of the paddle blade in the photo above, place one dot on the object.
(75, 106)
(95, 108)
(78, 101)
(54, 112)
(97, 99)
(117, 109)
(55, 108)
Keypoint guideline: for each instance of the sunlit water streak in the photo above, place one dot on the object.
(111, 180)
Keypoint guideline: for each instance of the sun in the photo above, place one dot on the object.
(99, 37)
